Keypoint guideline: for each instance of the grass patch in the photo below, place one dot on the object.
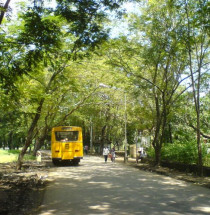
(7, 156)
(29, 157)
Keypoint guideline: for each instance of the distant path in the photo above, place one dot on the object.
(94, 187)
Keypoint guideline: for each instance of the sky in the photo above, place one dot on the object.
(119, 27)
(130, 7)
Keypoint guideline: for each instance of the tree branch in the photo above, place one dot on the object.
(204, 135)
(3, 10)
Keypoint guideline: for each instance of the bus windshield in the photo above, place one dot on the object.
(66, 136)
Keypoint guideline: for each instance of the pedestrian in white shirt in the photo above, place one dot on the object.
(105, 153)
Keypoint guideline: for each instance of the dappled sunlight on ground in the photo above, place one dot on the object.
(203, 209)
(95, 187)
(101, 207)
(176, 183)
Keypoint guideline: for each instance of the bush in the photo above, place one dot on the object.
(180, 152)
(185, 152)
(150, 153)
(206, 160)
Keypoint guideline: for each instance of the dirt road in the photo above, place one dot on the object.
(94, 187)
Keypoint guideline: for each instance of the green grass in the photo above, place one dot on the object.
(7, 156)
(29, 157)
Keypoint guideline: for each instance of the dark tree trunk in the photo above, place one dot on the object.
(170, 133)
(40, 141)
(103, 137)
(29, 135)
(3, 12)
(37, 146)
(196, 81)
(10, 140)
(155, 142)
(4, 143)
(157, 155)
(200, 159)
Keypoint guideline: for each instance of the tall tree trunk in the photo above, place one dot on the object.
(10, 140)
(3, 11)
(30, 135)
(170, 133)
(200, 158)
(155, 142)
(103, 137)
(161, 116)
(157, 154)
(4, 143)
(40, 141)
(196, 95)
(37, 146)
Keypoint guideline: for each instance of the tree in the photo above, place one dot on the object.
(41, 35)
(197, 42)
(161, 80)
(156, 60)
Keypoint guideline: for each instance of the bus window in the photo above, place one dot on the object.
(66, 135)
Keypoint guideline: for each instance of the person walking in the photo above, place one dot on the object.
(113, 154)
(105, 153)
(86, 149)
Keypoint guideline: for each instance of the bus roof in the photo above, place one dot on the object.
(67, 128)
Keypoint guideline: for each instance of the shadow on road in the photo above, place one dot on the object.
(94, 187)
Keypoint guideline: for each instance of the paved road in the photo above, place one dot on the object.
(94, 187)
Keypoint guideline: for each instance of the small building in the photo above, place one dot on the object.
(135, 151)
(140, 146)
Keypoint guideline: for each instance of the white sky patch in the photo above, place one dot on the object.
(15, 5)
(118, 26)
(121, 26)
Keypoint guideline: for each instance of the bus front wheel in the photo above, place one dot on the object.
(55, 162)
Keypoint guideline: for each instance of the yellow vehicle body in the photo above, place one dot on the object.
(66, 144)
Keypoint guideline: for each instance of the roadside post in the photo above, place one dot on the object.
(38, 157)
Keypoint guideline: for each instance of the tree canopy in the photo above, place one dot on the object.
(60, 67)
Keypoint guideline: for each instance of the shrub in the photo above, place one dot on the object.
(206, 160)
(185, 152)
(151, 153)
(180, 152)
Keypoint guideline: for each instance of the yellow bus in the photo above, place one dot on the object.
(66, 144)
